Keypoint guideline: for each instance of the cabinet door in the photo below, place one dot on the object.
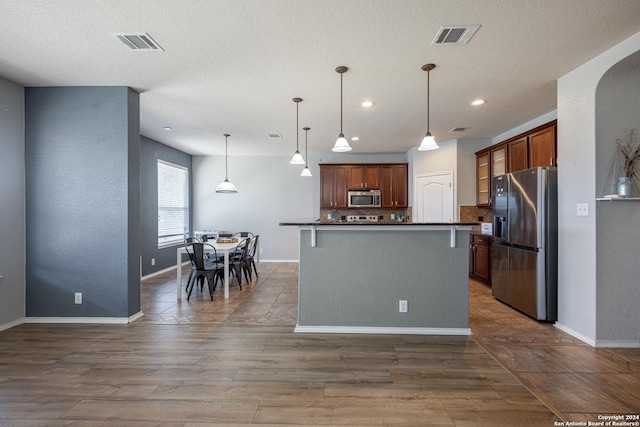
(481, 262)
(400, 184)
(363, 177)
(542, 147)
(327, 174)
(499, 161)
(340, 186)
(517, 154)
(386, 186)
(371, 177)
(483, 190)
(356, 177)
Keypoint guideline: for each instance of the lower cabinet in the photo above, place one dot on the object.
(480, 258)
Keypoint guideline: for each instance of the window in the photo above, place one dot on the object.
(173, 203)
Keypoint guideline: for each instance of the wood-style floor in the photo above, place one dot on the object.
(237, 362)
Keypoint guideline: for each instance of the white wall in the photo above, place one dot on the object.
(12, 207)
(270, 191)
(577, 311)
(454, 155)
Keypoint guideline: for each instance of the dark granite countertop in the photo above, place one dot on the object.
(316, 222)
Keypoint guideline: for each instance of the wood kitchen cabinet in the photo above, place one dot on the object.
(483, 181)
(364, 177)
(333, 186)
(518, 154)
(542, 147)
(394, 183)
(499, 161)
(480, 258)
(537, 147)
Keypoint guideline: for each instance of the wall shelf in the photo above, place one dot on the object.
(617, 199)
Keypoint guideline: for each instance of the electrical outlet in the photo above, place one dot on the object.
(78, 299)
(403, 306)
(153, 261)
(261, 251)
(583, 209)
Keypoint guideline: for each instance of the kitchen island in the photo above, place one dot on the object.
(354, 277)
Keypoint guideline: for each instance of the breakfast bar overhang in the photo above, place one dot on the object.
(353, 277)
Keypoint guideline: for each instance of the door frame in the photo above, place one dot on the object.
(451, 174)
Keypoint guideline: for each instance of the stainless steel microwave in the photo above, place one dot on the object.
(364, 198)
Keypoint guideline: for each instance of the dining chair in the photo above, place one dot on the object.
(238, 261)
(203, 268)
(251, 256)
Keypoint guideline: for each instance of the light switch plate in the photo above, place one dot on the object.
(583, 209)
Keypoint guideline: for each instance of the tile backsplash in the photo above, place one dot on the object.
(472, 213)
(385, 213)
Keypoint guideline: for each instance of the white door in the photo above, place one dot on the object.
(434, 197)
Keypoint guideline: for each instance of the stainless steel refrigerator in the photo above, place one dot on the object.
(524, 269)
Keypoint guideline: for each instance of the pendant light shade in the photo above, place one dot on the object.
(341, 145)
(297, 157)
(429, 141)
(306, 171)
(226, 186)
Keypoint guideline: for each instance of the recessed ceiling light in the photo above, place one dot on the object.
(167, 128)
(355, 138)
(367, 104)
(478, 102)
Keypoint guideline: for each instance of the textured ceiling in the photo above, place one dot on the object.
(233, 66)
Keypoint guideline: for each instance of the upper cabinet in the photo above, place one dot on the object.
(542, 147)
(518, 157)
(392, 179)
(482, 179)
(394, 183)
(364, 177)
(333, 186)
(537, 147)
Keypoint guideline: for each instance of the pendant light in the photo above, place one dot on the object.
(341, 145)
(226, 186)
(306, 171)
(428, 142)
(297, 157)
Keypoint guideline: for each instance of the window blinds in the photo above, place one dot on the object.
(173, 203)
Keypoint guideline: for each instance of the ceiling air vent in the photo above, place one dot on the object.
(274, 136)
(458, 129)
(138, 41)
(454, 34)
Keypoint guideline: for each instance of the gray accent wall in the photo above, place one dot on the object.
(617, 223)
(82, 201)
(12, 205)
(151, 151)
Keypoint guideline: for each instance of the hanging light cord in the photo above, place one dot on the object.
(428, 73)
(306, 146)
(226, 157)
(297, 104)
(341, 103)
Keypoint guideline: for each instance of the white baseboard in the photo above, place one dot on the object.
(617, 344)
(94, 320)
(575, 334)
(159, 272)
(12, 324)
(279, 260)
(380, 330)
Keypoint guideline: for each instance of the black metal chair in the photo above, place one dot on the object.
(238, 261)
(203, 268)
(251, 256)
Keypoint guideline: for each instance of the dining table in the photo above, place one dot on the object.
(223, 248)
